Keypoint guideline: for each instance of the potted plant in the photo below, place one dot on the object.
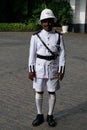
(65, 15)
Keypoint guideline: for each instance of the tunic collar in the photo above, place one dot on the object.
(47, 33)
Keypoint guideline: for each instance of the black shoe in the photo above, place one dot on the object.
(39, 120)
(51, 121)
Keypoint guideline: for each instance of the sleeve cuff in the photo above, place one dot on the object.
(31, 68)
(61, 69)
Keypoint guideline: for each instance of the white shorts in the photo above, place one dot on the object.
(40, 84)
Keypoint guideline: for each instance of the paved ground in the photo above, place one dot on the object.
(17, 107)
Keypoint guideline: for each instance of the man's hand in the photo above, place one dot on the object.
(60, 76)
(31, 75)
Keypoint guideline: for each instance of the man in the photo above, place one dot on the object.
(46, 65)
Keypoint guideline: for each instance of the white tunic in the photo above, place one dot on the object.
(42, 67)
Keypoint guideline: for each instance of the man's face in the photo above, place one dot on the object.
(47, 24)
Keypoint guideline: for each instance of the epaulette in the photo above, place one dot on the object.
(58, 32)
(37, 32)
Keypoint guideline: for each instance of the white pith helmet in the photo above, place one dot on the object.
(47, 13)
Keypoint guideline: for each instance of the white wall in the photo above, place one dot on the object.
(82, 11)
(79, 13)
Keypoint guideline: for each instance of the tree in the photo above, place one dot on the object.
(19, 10)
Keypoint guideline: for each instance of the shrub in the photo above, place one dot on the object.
(31, 26)
(12, 27)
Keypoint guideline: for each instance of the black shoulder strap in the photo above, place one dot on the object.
(37, 32)
(45, 45)
(58, 40)
(59, 37)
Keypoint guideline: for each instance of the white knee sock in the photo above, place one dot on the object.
(39, 101)
(52, 100)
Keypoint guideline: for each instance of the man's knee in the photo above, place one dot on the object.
(53, 93)
(39, 95)
(40, 92)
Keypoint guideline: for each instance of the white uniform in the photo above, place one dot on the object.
(46, 69)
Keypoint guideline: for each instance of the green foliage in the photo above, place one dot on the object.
(54, 6)
(29, 25)
(18, 27)
(36, 12)
(32, 22)
(62, 11)
(65, 13)
(12, 26)
(33, 25)
(23, 15)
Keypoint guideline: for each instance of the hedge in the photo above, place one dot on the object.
(18, 27)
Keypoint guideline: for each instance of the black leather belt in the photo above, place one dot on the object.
(46, 57)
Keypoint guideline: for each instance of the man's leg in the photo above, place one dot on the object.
(52, 87)
(38, 86)
(39, 118)
(39, 101)
(52, 100)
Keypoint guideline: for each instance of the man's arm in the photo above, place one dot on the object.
(61, 70)
(32, 59)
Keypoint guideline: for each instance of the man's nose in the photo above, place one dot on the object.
(48, 23)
